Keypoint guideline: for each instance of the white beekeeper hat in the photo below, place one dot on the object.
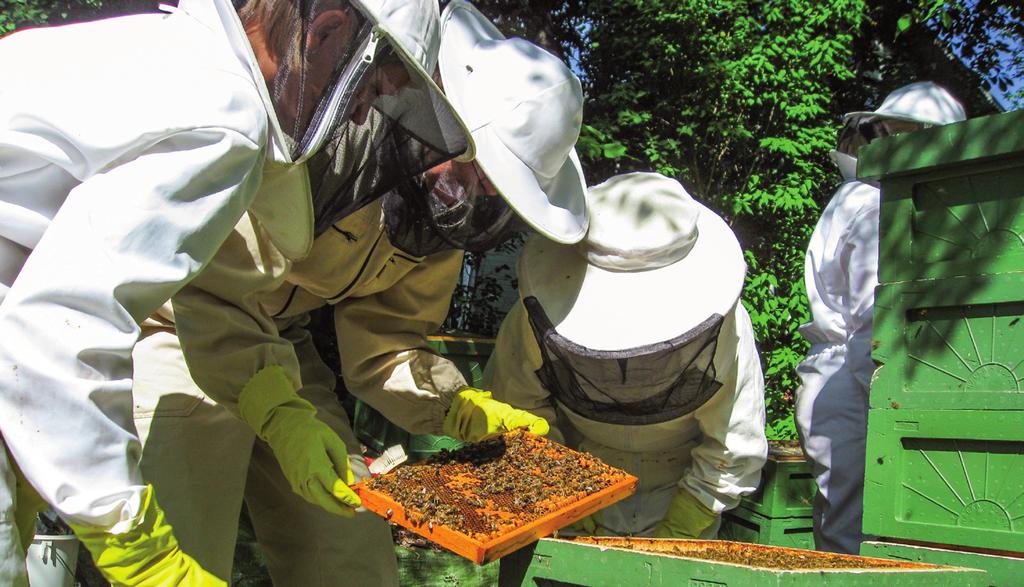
(923, 102)
(654, 264)
(524, 108)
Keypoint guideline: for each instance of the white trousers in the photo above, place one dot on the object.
(203, 461)
(832, 418)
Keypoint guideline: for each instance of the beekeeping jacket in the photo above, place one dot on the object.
(707, 436)
(385, 303)
(125, 164)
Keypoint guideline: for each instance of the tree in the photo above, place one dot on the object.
(736, 100)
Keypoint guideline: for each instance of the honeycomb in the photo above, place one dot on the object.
(751, 555)
(487, 489)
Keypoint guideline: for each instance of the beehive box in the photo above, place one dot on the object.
(952, 199)
(1002, 570)
(951, 344)
(787, 485)
(491, 498)
(743, 525)
(599, 562)
(946, 476)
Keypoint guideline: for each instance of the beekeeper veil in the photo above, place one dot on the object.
(337, 65)
(524, 107)
(629, 320)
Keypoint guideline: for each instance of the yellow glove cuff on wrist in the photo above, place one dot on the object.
(313, 458)
(686, 517)
(475, 416)
(145, 556)
(267, 390)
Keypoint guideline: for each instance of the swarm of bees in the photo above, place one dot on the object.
(488, 488)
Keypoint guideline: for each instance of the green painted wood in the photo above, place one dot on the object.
(557, 562)
(966, 143)
(742, 525)
(952, 199)
(1002, 571)
(786, 490)
(950, 344)
(426, 567)
(946, 476)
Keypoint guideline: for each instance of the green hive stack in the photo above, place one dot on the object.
(945, 449)
(779, 512)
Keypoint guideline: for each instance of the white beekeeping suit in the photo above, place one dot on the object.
(634, 346)
(129, 149)
(841, 272)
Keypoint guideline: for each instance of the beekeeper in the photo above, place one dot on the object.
(634, 347)
(840, 273)
(389, 270)
(129, 149)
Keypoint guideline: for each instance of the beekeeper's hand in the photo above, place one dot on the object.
(312, 456)
(474, 416)
(146, 555)
(686, 517)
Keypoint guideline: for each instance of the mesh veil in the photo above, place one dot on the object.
(644, 385)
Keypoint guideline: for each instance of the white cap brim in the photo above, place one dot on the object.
(555, 207)
(614, 310)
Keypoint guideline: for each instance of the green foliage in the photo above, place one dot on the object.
(735, 99)
(16, 14)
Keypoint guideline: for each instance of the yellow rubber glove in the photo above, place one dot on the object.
(312, 456)
(474, 416)
(145, 556)
(686, 517)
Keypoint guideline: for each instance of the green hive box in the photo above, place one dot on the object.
(1002, 571)
(468, 353)
(563, 563)
(779, 512)
(743, 525)
(787, 485)
(952, 199)
(950, 344)
(946, 476)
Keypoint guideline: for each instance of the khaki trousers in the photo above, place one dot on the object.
(203, 461)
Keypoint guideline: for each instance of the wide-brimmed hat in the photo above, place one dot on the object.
(921, 102)
(524, 108)
(655, 263)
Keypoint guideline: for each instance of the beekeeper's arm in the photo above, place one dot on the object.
(511, 372)
(153, 199)
(237, 356)
(727, 463)
(387, 362)
(859, 256)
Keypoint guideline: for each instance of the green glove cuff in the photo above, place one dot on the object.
(686, 517)
(146, 555)
(266, 390)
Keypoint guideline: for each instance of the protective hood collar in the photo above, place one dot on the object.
(847, 164)
(524, 108)
(655, 263)
(221, 14)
